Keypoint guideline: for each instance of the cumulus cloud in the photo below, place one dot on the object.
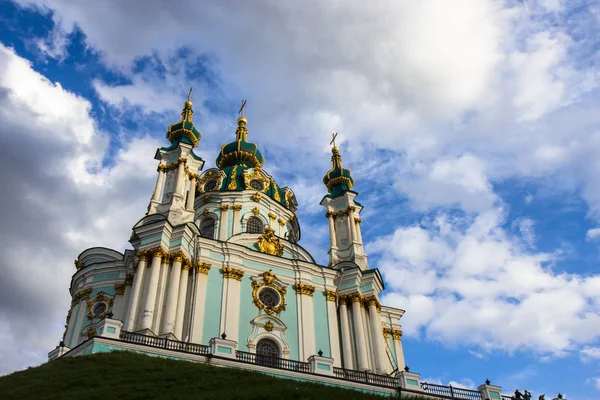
(443, 273)
(57, 200)
(589, 353)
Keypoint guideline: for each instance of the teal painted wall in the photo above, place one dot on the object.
(390, 341)
(318, 280)
(109, 290)
(152, 239)
(321, 324)
(347, 285)
(217, 256)
(290, 319)
(105, 277)
(248, 311)
(212, 311)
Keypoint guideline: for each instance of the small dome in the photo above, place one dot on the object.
(184, 130)
(338, 179)
(241, 151)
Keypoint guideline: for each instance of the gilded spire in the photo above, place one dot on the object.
(241, 151)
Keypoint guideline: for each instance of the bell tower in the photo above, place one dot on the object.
(178, 168)
(343, 214)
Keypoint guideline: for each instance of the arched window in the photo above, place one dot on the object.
(207, 228)
(254, 225)
(266, 352)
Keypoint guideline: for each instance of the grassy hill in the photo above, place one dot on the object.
(125, 375)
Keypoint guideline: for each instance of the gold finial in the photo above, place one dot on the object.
(242, 108)
(241, 131)
(188, 103)
(334, 150)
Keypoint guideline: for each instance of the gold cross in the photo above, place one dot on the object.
(242, 108)
(333, 136)
(190, 94)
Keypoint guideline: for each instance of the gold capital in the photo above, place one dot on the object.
(304, 289)
(272, 216)
(224, 207)
(237, 207)
(202, 267)
(331, 295)
(119, 289)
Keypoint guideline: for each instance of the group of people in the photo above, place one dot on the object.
(526, 395)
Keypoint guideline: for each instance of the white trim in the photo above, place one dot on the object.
(199, 306)
(334, 339)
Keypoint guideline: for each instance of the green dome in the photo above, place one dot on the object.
(337, 179)
(241, 151)
(184, 130)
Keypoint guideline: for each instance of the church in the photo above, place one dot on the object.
(216, 273)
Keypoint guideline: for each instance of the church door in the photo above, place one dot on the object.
(267, 352)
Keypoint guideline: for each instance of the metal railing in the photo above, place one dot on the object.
(366, 377)
(272, 362)
(164, 343)
(450, 392)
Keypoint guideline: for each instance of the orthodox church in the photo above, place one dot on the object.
(216, 259)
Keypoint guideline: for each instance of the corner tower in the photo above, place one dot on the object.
(343, 215)
(178, 168)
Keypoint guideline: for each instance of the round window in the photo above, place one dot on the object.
(269, 297)
(210, 185)
(257, 184)
(99, 308)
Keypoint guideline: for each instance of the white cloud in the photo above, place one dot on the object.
(510, 294)
(593, 233)
(588, 354)
(57, 200)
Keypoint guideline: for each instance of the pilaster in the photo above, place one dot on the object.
(306, 334)
(136, 292)
(147, 316)
(182, 300)
(332, 320)
(172, 296)
(230, 313)
(359, 329)
(347, 347)
(199, 301)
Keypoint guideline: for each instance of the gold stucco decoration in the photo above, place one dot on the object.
(232, 273)
(269, 326)
(331, 295)
(256, 197)
(269, 280)
(269, 243)
(304, 289)
(202, 267)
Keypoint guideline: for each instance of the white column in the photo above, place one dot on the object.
(377, 334)
(306, 328)
(136, 293)
(191, 194)
(151, 289)
(357, 221)
(359, 329)
(232, 313)
(236, 218)
(181, 302)
(161, 294)
(332, 238)
(346, 340)
(119, 302)
(334, 338)
(397, 334)
(199, 302)
(180, 178)
(223, 222)
(272, 219)
(172, 297)
(351, 224)
(159, 183)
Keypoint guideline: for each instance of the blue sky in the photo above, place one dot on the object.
(471, 128)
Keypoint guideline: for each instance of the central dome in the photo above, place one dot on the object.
(241, 151)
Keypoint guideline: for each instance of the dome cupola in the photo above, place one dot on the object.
(338, 179)
(241, 151)
(184, 130)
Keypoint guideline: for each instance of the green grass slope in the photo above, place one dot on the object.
(125, 375)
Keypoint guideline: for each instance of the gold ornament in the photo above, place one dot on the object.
(256, 197)
(128, 279)
(207, 198)
(272, 216)
(270, 244)
(331, 295)
(119, 289)
(202, 267)
(255, 211)
(78, 264)
(269, 280)
(387, 332)
(224, 207)
(237, 207)
(304, 289)
(232, 273)
(255, 174)
(232, 183)
(269, 326)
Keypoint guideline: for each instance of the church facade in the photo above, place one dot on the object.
(217, 256)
